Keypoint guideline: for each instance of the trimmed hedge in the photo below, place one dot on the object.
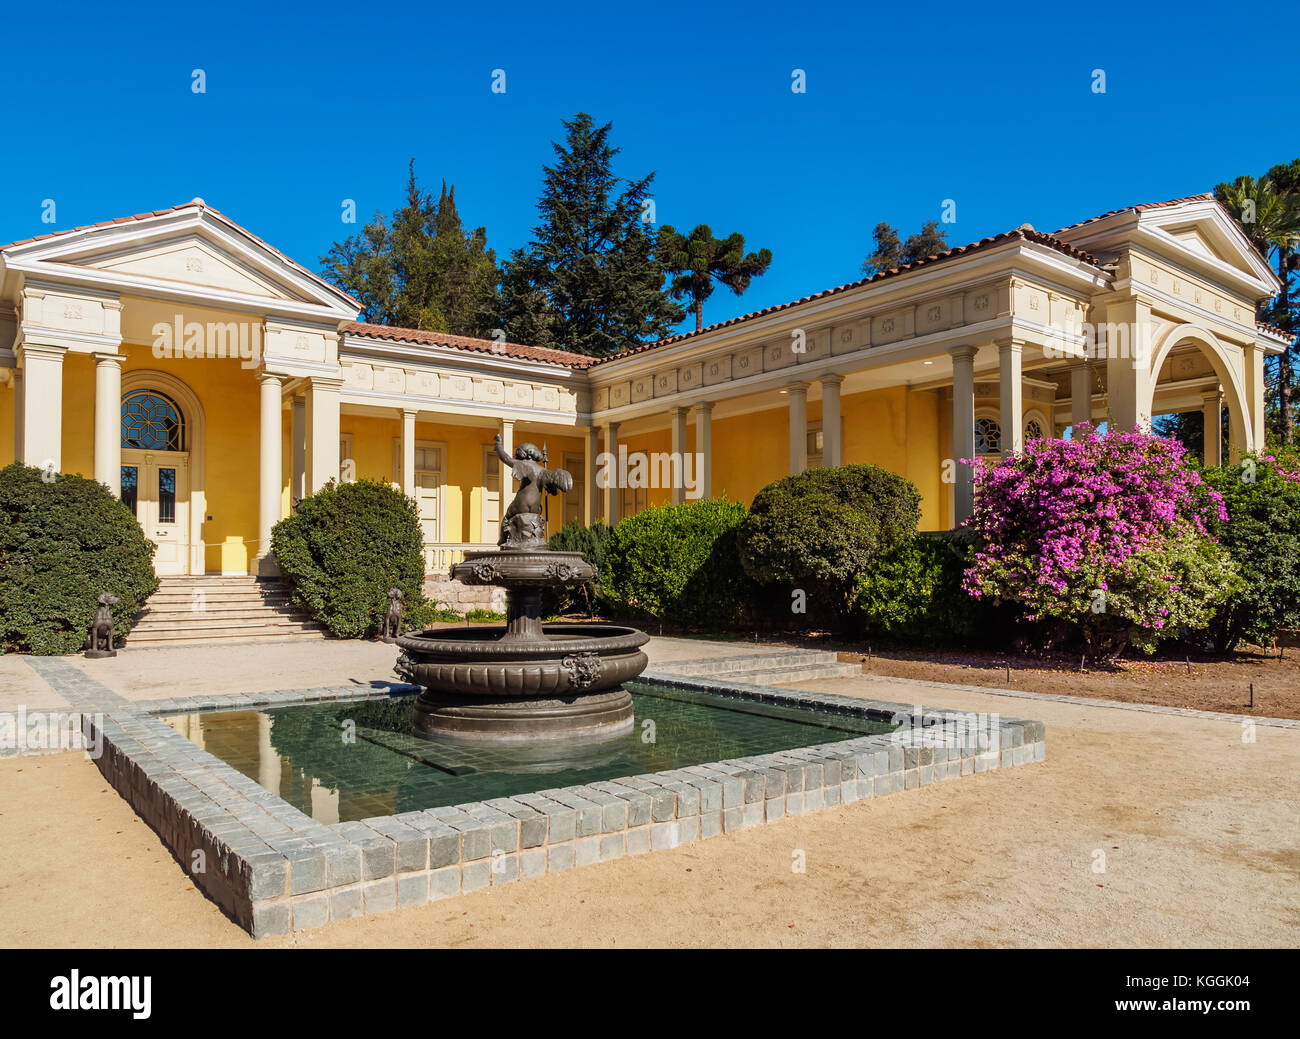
(63, 544)
(820, 529)
(591, 542)
(344, 548)
(678, 563)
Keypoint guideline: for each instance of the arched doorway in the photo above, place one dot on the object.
(1224, 377)
(162, 468)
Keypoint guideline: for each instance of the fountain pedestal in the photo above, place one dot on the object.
(528, 680)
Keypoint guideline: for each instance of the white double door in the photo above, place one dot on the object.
(156, 487)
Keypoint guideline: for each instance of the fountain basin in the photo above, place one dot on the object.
(489, 683)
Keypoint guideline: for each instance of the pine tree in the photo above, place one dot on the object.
(419, 268)
(696, 261)
(589, 281)
(891, 252)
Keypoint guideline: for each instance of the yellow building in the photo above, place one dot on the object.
(211, 381)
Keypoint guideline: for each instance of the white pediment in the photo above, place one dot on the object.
(191, 261)
(1208, 232)
(191, 251)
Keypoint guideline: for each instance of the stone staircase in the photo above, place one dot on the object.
(765, 667)
(211, 610)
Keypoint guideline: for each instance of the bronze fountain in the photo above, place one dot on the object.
(528, 680)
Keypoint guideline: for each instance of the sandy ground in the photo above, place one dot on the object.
(1198, 829)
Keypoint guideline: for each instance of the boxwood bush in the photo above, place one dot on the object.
(63, 544)
(344, 548)
(819, 531)
(913, 593)
(678, 563)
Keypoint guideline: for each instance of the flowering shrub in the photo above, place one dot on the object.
(1109, 534)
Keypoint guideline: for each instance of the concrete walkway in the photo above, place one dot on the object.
(1140, 828)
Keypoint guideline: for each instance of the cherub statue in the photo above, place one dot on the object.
(523, 525)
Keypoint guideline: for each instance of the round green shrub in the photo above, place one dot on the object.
(820, 529)
(63, 544)
(591, 542)
(344, 548)
(677, 563)
(1262, 535)
(913, 592)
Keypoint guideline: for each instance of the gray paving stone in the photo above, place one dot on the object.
(310, 911)
(412, 889)
(443, 883)
(346, 903)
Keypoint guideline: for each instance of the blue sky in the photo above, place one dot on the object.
(906, 106)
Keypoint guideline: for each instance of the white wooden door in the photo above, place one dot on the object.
(156, 487)
(428, 489)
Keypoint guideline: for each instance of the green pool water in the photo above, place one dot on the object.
(340, 761)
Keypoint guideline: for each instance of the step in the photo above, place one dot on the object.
(749, 662)
(149, 621)
(211, 638)
(794, 673)
(222, 628)
(231, 624)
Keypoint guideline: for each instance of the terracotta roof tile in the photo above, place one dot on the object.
(1140, 207)
(1275, 330)
(484, 346)
(1025, 232)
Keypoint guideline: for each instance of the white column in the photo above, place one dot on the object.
(1212, 409)
(704, 447)
(43, 406)
(678, 449)
(798, 407)
(322, 432)
(108, 421)
(1253, 422)
(590, 492)
(832, 440)
(1128, 371)
(18, 414)
(1080, 393)
(1010, 390)
(963, 430)
(611, 490)
(298, 490)
(269, 468)
(408, 451)
(506, 427)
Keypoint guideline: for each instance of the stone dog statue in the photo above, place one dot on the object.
(100, 642)
(524, 526)
(392, 626)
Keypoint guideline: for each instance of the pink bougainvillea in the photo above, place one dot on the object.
(1098, 530)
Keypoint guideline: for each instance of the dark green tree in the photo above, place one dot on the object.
(1268, 211)
(419, 268)
(698, 260)
(890, 252)
(589, 281)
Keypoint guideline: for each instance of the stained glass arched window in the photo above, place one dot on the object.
(988, 436)
(152, 422)
(1033, 430)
